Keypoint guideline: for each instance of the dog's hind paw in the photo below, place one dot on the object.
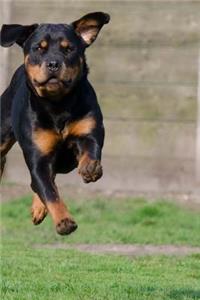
(38, 211)
(66, 226)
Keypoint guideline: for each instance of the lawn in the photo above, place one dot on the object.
(35, 273)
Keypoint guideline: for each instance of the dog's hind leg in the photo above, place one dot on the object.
(5, 146)
(7, 138)
(38, 210)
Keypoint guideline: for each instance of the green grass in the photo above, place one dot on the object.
(107, 221)
(59, 274)
(30, 273)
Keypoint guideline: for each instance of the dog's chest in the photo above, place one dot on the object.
(62, 121)
(46, 139)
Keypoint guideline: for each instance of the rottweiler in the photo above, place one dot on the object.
(51, 109)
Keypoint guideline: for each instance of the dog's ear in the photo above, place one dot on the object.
(14, 33)
(89, 26)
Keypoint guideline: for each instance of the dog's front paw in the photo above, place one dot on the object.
(66, 226)
(90, 170)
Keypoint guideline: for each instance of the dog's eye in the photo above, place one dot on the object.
(68, 50)
(39, 48)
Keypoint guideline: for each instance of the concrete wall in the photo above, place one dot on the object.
(144, 67)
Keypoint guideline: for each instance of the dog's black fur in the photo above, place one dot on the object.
(51, 109)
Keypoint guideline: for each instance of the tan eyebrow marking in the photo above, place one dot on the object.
(64, 43)
(43, 44)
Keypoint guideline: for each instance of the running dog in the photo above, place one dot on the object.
(51, 110)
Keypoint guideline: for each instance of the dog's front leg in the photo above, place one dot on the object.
(42, 183)
(89, 159)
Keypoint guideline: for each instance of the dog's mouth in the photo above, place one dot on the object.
(54, 82)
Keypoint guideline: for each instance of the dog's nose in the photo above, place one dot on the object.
(53, 66)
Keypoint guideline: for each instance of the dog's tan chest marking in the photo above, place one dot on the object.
(79, 128)
(47, 139)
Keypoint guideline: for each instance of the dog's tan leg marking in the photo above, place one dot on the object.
(61, 217)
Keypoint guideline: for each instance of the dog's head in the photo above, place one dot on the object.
(54, 53)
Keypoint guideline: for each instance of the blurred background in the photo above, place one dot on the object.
(144, 67)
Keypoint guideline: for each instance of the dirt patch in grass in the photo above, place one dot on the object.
(128, 250)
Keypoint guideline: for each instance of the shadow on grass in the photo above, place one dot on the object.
(180, 293)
